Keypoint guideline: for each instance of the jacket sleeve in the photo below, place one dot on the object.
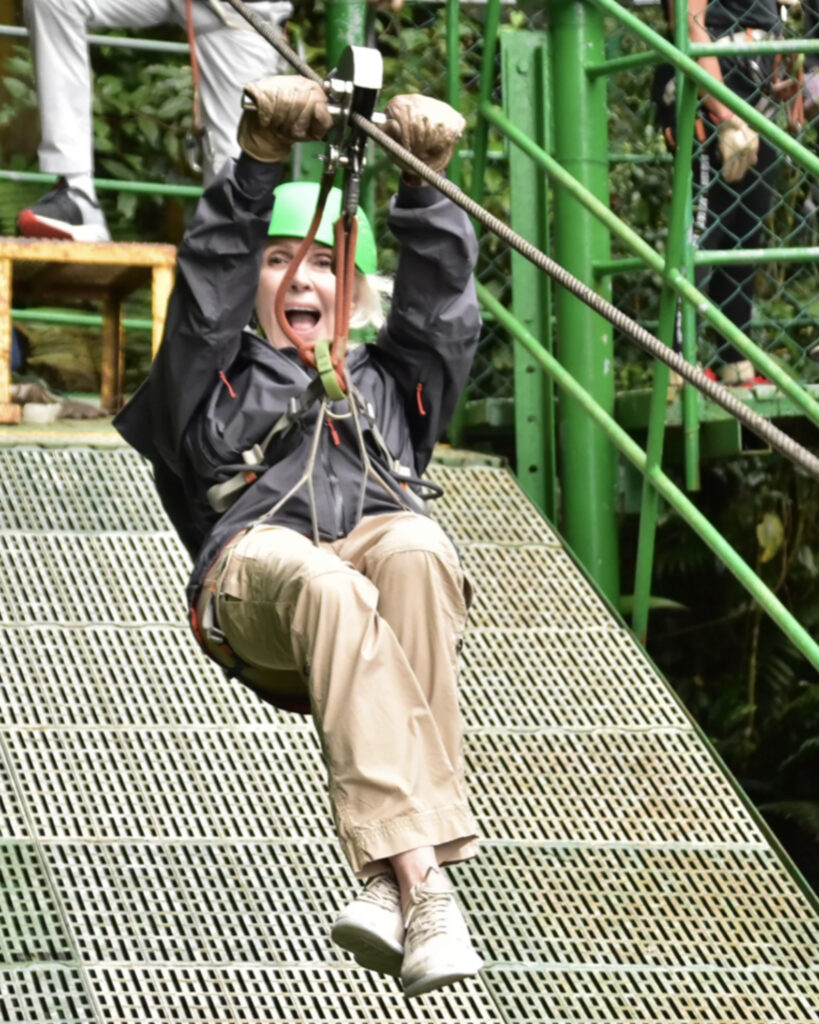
(212, 300)
(431, 334)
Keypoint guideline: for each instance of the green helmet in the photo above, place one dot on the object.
(293, 208)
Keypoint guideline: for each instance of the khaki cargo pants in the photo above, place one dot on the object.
(369, 625)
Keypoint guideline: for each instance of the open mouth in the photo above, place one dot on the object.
(301, 318)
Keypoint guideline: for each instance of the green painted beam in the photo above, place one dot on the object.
(584, 340)
(525, 89)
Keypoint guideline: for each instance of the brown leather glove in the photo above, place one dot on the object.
(289, 108)
(738, 148)
(428, 128)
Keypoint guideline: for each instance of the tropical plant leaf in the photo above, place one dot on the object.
(770, 535)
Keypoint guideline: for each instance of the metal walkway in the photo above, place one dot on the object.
(167, 852)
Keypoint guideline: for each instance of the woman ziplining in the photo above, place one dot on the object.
(318, 578)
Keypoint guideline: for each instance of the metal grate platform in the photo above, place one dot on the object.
(167, 853)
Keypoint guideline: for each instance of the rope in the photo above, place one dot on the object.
(775, 437)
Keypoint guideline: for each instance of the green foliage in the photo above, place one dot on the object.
(752, 692)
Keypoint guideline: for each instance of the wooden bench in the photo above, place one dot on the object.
(61, 273)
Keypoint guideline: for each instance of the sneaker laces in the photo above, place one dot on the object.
(382, 890)
(430, 914)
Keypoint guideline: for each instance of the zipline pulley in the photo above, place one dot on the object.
(352, 87)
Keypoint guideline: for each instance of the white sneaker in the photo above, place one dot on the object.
(437, 946)
(372, 928)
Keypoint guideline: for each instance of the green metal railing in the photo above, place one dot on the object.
(676, 272)
(659, 481)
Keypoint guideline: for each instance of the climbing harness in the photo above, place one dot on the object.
(718, 394)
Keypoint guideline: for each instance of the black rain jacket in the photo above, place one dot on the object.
(216, 387)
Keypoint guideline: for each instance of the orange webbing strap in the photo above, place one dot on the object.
(345, 238)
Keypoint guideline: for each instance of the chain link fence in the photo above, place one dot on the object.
(773, 206)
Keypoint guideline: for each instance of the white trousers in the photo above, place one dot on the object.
(229, 58)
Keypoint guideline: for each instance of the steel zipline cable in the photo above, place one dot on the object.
(775, 437)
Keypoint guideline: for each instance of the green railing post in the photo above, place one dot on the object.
(346, 22)
(455, 431)
(481, 138)
(584, 339)
(525, 92)
(688, 316)
(678, 226)
(453, 77)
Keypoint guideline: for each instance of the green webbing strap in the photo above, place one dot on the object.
(326, 372)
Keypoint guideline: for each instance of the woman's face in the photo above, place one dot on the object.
(310, 301)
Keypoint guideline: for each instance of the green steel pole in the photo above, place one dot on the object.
(652, 259)
(635, 61)
(678, 226)
(453, 77)
(525, 93)
(47, 316)
(584, 339)
(455, 430)
(793, 254)
(346, 22)
(667, 489)
(481, 140)
(719, 258)
(345, 25)
(770, 47)
(152, 188)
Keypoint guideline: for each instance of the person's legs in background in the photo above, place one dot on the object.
(58, 30)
